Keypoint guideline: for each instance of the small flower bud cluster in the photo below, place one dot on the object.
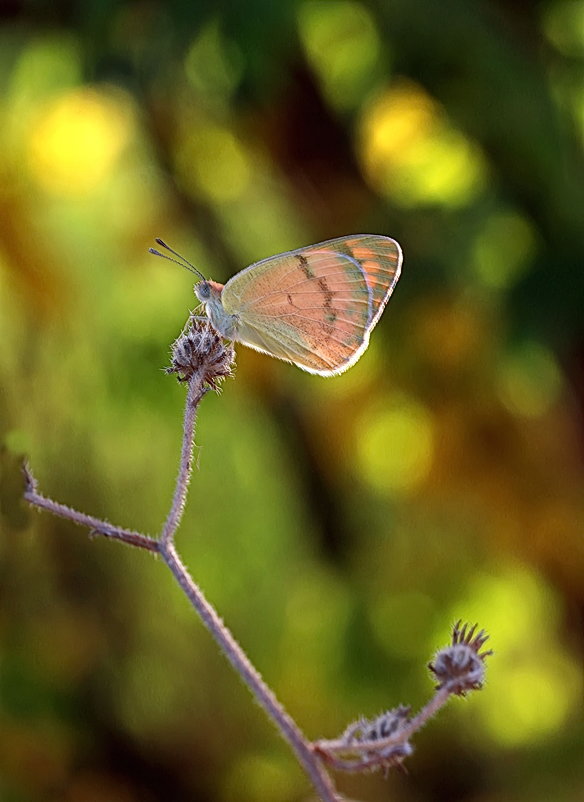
(200, 348)
(460, 667)
(372, 733)
(384, 741)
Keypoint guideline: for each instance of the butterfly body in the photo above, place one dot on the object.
(314, 307)
(209, 293)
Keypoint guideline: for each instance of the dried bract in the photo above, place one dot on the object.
(370, 744)
(200, 348)
(460, 667)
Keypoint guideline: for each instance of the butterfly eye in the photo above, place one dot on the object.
(203, 291)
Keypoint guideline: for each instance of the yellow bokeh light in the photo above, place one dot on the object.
(395, 447)
(213, 163)
(504, 249)
(536, 698)
(411, 152)
(534, 682)
(520, 608)
(530, 380)
(342, 46)
(76, 139)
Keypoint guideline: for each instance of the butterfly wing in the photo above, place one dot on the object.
(315, 306)
(380, 258)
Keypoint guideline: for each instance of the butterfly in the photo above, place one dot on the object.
(314, 307)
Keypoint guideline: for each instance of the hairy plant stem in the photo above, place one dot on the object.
(250, 676)
(196, 391)
(165, 547)
(329, 749)
(223, 637)
(96, 526)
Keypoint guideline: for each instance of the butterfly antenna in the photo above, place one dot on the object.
(180, 260)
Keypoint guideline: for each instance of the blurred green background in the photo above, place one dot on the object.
(340, 526)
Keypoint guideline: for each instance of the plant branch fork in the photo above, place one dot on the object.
(202, 361)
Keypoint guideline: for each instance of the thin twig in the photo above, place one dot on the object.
(95, 525)
(339, 746)
(426, 713)
(250, 676)
(212, 621)
(201, 359)
(196, 391)
(383, 742)
(198, 386)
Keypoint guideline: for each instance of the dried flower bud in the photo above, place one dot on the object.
(200, 348)
(365, 737)
(375, 729)
(460, 667)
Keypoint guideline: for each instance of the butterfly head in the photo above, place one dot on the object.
(203, 291)
(208, 291)
(209, 294)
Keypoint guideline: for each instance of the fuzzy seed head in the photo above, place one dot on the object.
(366, 736)
(460, 667)
(200, 348)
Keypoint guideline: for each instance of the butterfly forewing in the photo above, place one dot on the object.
(315, 306)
